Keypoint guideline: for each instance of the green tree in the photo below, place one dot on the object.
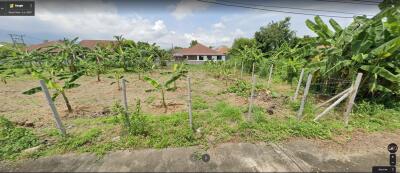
(193, 43)
(389, 3)
(97, 61)
(69, 51)
(370, 46)
(239, 44)
(273, 35)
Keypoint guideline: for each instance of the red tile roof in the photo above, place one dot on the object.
(91, 44)
(197, 49)
(43, 46)
(223, 49)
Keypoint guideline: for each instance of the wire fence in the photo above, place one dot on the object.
(329, 87)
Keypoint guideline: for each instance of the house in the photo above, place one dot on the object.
(198, 54)
(91, 44)
(43, 46)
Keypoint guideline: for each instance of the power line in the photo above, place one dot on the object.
(309, 9)
(17, 39)
(368, 1)
(349, 2)
(36, 38)
(280, 11)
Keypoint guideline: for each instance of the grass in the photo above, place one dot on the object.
(199, 103)
(13, 139)
(213, 124)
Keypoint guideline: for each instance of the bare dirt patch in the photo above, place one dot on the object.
(94, 99)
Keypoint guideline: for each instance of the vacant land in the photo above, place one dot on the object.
(218, 116)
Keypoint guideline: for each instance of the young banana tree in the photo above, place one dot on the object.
(69, 50)
(6, 69)
(225, 72)
(68, 82)
(5, 74)
(163, 87)
(117, 77)
(177, 69)
(97, 61)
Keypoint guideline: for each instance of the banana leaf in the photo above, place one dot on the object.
(324, 28)
(32, 91)
(387, 49)
(152, 82)
(382, 72)
(335, 25)
(173, 78)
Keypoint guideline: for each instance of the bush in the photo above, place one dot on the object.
(134, 124)
(138, 122)
(14, 139)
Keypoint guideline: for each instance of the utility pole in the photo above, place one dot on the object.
(17, 39)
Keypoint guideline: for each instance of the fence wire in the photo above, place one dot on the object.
(329, 87)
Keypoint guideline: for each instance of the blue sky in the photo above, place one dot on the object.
(166, 22)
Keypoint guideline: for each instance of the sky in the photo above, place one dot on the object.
(169, 22)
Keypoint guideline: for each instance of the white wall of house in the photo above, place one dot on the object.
(213, 58)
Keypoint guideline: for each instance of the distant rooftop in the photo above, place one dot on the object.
(91, 44)
(43, 45)
(198, 49)
(222, 49)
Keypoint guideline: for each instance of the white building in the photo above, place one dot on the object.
(198, 54)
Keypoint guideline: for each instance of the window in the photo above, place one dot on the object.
(209, 57)
(191, 57)
(201, 58)
(219, 58)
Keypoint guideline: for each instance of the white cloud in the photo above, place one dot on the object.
(219, 25)
(104, 22)
(186, 8)
(88, 20)
(213, 38)
(159, 25)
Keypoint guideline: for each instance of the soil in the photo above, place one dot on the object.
(94, 99)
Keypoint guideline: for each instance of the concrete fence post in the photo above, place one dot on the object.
(190, 102)
(303, 100)
(353, 94)
(270, 75)
(252, 93)
(52, 107)
(296, 93)
(124, 99)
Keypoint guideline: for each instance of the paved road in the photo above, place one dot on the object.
(238, 157)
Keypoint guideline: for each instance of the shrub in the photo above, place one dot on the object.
(138, 122)
(134, 124)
